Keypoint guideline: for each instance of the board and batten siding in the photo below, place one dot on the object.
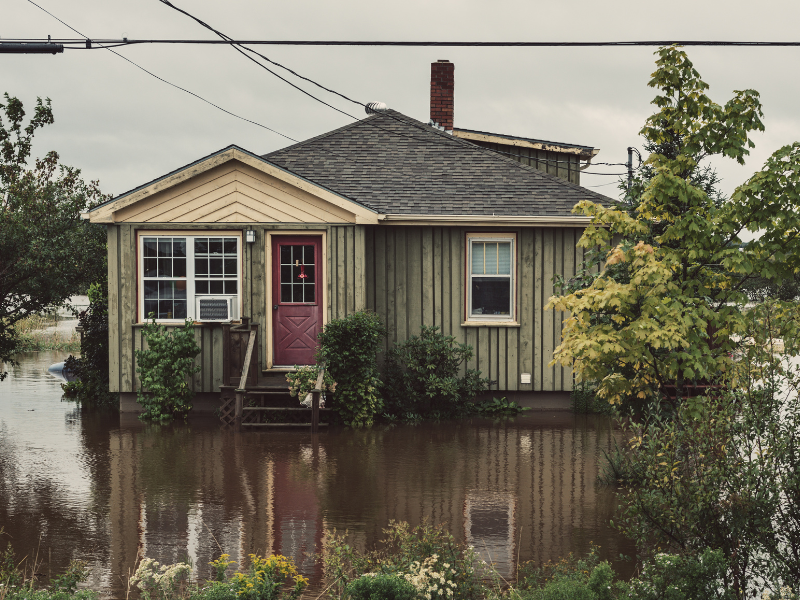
(561, 164)
(346, 293)
(416, 276)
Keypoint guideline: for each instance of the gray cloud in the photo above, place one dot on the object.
(123, 127)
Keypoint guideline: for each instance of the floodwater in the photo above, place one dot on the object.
(107, 488)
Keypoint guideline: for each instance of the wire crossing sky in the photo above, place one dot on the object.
(522, 68)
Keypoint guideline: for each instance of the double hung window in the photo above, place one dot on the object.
(491, 265)
(178, 271)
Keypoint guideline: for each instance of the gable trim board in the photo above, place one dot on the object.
(585, 152)
(179, 182)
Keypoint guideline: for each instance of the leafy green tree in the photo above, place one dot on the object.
(48, 252)
(721, 475)
(91, 369)
(665, 308)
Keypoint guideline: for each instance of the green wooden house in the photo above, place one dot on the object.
(416, 222)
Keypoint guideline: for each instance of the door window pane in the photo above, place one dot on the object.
(297, 274)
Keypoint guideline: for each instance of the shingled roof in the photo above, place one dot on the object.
(397, 165)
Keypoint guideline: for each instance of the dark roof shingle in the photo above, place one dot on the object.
(397, 165)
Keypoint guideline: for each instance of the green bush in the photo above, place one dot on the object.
(164, 368)
(585, 578)
(427, 557)
(377, 586)
(422, 376)
(672, 577)
(349, 347)
(91, 369)
(499, 407)
(584, 400)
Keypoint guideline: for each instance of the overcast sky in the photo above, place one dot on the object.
(124, 127)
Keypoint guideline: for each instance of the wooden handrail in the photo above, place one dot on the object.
(248, 355)
(315, 394)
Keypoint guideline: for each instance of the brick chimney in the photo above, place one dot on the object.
(442, 83)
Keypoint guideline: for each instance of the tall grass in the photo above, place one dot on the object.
(35, 334)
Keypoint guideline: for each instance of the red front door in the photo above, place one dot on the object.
(296, 298)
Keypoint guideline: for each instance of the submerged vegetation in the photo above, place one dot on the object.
(39, 331)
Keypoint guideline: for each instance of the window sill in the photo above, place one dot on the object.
(181, 322)
(490, 324)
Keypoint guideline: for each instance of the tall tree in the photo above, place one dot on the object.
(48, 253)
(666, 308)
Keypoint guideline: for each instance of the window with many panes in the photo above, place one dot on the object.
(298, 279)
(491, 272)
(178, 270)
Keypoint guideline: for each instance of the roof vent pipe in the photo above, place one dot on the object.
(375, 107)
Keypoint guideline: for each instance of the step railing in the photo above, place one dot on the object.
(243, 392)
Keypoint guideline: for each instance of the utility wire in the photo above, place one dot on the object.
(241, 50)
(169, 82)
(350, 159)
(226, 39)
(80, 44)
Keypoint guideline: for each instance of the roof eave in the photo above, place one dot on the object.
(487, 220)
(583, 152)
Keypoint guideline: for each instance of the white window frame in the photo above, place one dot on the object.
(481, 319)
(191, 297)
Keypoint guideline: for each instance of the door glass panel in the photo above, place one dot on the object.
(297, 273)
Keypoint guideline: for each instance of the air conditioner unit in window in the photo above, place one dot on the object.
(217, 308)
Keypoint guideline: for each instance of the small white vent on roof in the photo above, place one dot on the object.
(375, 107)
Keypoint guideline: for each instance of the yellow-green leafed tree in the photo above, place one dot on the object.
(667, 307)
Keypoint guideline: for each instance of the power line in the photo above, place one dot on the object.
(81, 44)
(225, 39)
(239, 48)
(199, 97)
(348, 158)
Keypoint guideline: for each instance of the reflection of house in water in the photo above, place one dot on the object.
(526, 489)
(214, 492)
(489, 527)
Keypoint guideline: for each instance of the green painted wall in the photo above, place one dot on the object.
(415, 277)
(345, 291)
(563, 165)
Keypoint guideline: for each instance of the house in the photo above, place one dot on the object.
(422, 223)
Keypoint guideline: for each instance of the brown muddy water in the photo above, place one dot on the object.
(106, 489)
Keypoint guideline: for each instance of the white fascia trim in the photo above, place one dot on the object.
(489, 220)
(105, 214)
